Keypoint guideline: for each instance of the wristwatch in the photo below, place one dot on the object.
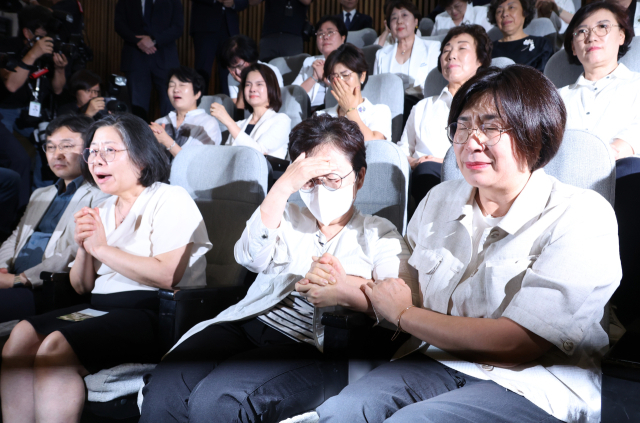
(17, 281)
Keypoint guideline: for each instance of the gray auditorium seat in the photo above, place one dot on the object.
(289, 66)
(632, 58)
(370, 55)
(426, 26)
(362, 38)
(560, 71)
(295, 103)
(543, 27)
(205, 104)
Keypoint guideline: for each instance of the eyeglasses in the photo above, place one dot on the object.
(239, 66)
(64, 148)
(96, 92)
(456, 6)
(332, 182)
(459, 133)
(344, 75)
(325, 35)
(107, 154)
(601, 30)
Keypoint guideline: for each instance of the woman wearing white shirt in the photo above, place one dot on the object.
(411, 57)
(187, 125)
(458, 12)
(346, 70)
(148, 235)
(265, 129)
(515, 270)
(309, 260)
(331, 34)
(465, 49)
(605, 100)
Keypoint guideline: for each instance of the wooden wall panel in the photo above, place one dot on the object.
(106, 44)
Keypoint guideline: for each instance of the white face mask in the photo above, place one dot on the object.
(325, 205)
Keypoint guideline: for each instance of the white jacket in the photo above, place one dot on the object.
(270, 136)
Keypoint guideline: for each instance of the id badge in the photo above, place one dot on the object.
(34, 109)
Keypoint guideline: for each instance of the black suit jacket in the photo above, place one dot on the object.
(359, 21)
(167, 23)
(207, 16)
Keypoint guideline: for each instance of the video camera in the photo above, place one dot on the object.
(71, 45)
(115, 97)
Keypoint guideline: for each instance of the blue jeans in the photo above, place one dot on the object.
(418, 389)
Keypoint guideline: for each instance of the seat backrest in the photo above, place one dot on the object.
(494, 34)
(362, 38)
(295, 103)
(577, 4)
(632, 58)
(232, 82)
(502, 62)
(540, 27)
(205, 104)
(437, 37)
(370, 55)
(560, 71)
(583, 160)
(289, 66)
(228, 184)
(386, 184)
(425, 26)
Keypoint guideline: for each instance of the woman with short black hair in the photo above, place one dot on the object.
(515, 270)
(261, 358)
(85, 89)
(511, 17)
(187, 125)
(148, 235)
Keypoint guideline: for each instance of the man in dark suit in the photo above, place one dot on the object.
(212, 23)
(150, 29)
(354, 20)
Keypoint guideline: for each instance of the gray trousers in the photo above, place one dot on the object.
(418, 389)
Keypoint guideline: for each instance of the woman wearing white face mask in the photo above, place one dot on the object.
(307, 259)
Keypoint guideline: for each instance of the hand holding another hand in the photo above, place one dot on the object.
(389, 297)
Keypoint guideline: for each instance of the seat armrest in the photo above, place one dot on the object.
(56, 292)
(344, 319)
(340, 329)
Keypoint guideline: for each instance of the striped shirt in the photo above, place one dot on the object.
(293, 316)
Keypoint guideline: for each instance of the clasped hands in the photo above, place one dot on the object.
(89, 234)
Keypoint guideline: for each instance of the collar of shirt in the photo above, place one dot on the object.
(621, 72)
(71, 188)
(173, 116)
(351, 14)
(446, 96)
(469, 15)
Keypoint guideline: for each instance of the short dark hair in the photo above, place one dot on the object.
(527, 102)
(75, 123)
(33, 17)
(528, 10)
(239, 46)
(185, 74)
(401, 4)
(446, 3)
(484, 45)
(321, 129)
(144, 150)
(351, 57)
(270, 79)
(584, 12)
(84, 79)
(336, 20)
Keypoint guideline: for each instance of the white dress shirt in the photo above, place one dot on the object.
(369, 247)
(233, 88)
(425, 133)
(376, 117)
(270, 135)
(424, 57)
(319, 89)
(162, 219)
(550, 265)
(203, 128)
(608, 108)
(636, 20)
(474, 15)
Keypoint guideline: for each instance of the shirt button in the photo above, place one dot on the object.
(588, 113)
(474, 272)
(567, 345)
(265, 236)
(487, 367)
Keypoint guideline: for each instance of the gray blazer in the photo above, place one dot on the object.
(61, 249)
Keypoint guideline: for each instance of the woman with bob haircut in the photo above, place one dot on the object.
(459, 12)
(511, 17)
(346, 70)
(465, 50)
(515, 270)
(85, 89)
(265, 129)
(147, 235)
(261, 359)
(331, 34)
(187, 125)
(604, 100)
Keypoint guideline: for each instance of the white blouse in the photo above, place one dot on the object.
(376, 117)
(163, 218)
(319, 89)
(425, 133)
(270, 135)
(474, 15)
(608, 108)
(201, 127)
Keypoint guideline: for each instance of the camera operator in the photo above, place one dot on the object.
(25, 92)
(85, 91)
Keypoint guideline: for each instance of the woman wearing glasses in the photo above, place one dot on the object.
(147, 235)
(514, 274)
(331, 34)
(261, 360)
(346, 70)
(604, 100)
(85, 88)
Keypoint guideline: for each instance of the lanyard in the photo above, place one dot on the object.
(35, 92)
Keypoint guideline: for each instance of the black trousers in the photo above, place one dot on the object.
(207, 45)
(140, 82)
(424, 177)
(13, 156)
(16, 304)
(9, 195)
(235, 372)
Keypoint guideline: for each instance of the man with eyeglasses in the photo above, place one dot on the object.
(43, 241)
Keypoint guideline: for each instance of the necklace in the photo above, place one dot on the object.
(118, 211)
(403, 52)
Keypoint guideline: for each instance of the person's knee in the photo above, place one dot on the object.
(22, 342)
(207, 403)
(342, 408)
